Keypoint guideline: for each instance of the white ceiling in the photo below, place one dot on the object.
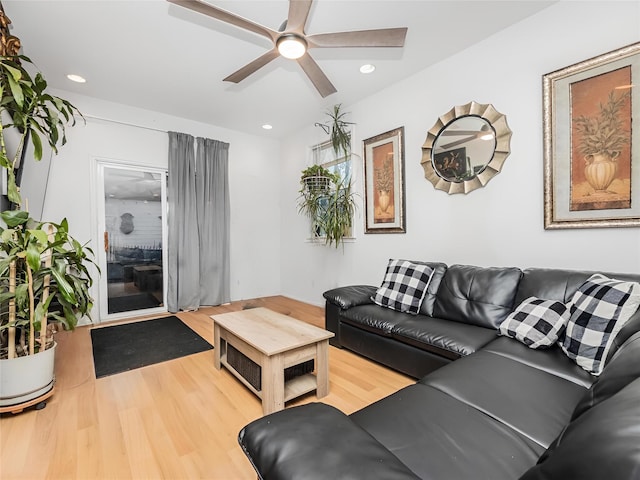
(158, 56)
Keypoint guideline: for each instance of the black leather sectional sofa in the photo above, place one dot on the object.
(486, 406)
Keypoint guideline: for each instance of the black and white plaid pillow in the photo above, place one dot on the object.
(404, 286)
(599, 309)
(535, 322)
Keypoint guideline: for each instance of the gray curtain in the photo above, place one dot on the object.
(212, 189)
(198, 250)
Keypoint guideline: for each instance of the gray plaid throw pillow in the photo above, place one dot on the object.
(599, 309)
(535, 322)
(404, 286)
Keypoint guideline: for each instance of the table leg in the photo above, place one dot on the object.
(322, 368)
(216, 346)
(273, 384)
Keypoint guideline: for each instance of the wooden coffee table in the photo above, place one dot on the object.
(269, 343)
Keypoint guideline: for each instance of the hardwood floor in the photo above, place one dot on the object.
(177, 420)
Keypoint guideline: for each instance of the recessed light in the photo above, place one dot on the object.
(368, 68)
(76, 78)
(266, 126)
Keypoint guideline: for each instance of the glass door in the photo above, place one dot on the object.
(134, 229)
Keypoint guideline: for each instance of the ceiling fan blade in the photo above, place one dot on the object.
(298, 13)
(251, 67)
(225, 16)
(457, 133)
(317, 76)
(385, 37)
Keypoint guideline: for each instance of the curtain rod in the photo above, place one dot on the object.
(124, 123)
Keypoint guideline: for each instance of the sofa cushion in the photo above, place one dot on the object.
(404, 286)
(623, 368)
(603, 442)
(550, 283)
(535, 322)
(481, 296)
(510, 392)
(444, 337)
(599, 309)
(558, 284)
(440, 437)
(551, 360)
(373, 318)
(314, 442)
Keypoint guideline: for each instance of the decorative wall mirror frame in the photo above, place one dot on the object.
(478, 121)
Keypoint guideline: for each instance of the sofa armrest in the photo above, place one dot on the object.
(352, 296)
(317, 441)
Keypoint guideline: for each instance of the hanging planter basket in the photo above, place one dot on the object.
(317, 184)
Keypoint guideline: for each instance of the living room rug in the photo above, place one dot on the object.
(129, 346)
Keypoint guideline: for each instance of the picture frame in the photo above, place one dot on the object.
(384, 182)
(591, 130)
(452, 163)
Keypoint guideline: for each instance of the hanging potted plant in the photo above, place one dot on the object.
(317, 179)
(43, 271)
(326, 198)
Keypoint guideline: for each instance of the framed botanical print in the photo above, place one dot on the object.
(384, 182)
(592, 142)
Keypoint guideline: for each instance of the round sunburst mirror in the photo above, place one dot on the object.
(466, 148)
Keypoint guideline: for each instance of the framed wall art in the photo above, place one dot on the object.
(384, 182)
(592, 142)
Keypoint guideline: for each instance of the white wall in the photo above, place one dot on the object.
(254, 183)
(501, 224)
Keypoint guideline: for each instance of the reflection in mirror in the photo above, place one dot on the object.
(466, 148)
(463, 148)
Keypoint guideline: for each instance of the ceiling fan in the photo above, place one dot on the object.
(291, 41)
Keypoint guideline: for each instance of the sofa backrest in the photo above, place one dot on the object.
(561, 285)
(481, 296)
(621, 370)
(439, 269)
(558, 284)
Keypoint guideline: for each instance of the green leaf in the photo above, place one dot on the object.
(40, 235)
(33, 257)
(12, 188)
(4, 160)
(37, 145)
(64, 287)
(14, 218)
(15, 87)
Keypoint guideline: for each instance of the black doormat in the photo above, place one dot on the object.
(125, 347)
(128, 303)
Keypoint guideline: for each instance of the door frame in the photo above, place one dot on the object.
(98, 165)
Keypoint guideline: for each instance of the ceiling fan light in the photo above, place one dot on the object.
(367, 68)
(291, 46)
(76, 78)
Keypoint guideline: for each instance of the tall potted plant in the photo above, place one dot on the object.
(44, 273)
(45, 280)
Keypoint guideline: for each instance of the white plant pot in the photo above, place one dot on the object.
(25, 378)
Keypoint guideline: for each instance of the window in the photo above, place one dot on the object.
(325, 156)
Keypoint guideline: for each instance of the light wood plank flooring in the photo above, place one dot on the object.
(175, 420)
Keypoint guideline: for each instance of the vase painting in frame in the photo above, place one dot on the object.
(601, 142)
(591, 127)
(384, 182)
